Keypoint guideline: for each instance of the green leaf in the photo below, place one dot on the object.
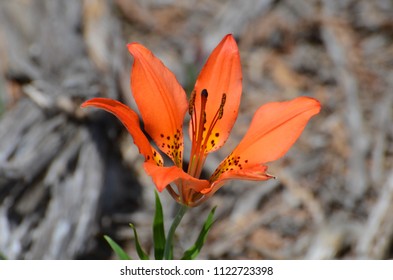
(117, 249)
(158, 230)
(194, 250)
(141, 253)
(168, 251)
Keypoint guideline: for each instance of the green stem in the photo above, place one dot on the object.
(171, 233)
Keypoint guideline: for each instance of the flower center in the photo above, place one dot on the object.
(200, 133)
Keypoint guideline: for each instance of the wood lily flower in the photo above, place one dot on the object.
(213, 109)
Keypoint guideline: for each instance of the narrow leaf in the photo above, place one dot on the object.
(117, 249)
(168, 251)
(194, 250)
(141, 253)
(158, 230)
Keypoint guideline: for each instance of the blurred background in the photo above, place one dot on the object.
(68, 176)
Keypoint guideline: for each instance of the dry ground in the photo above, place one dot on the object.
(333, 196)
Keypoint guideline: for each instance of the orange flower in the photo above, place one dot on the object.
(213, 109)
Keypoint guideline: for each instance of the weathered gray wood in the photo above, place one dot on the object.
(55, 180)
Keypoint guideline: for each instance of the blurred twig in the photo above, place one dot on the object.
(340, 48)
(378, 231)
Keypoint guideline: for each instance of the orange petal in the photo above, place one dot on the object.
(131, 121)
(160, 99)
(274, 129)
(163, 176)
(256, 172)
(221, 74)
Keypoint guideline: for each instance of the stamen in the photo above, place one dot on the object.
(191, 105)
(201, 133)
(217, 116)
(197, 132)
(221, 109)
(202, 116)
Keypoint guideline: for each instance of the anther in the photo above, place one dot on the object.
(192, 102)
(221, 109)
(204, 93)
